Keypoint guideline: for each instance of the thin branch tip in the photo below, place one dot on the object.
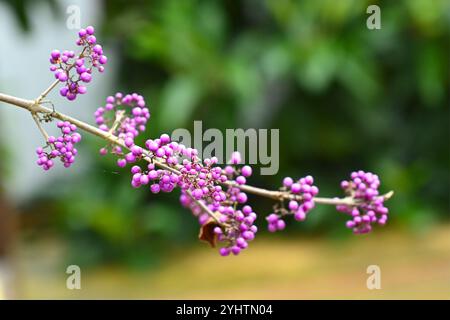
(389, 195)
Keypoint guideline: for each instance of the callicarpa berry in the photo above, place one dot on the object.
(125, 116)
(75, 69)
(236, 227)
(62, 147)
(370, 209)
(301, 194)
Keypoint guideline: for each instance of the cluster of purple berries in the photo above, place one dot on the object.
(159, 180)
(236, 225)
(134, 118)
(197, 180)
(302, 195)
(200, 181)
(238, 229)
(63, 64)
(62, 147)
(370, 209)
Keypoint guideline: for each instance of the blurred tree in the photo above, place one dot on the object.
(21, 10)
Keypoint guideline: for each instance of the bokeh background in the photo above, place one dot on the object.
(344, 97)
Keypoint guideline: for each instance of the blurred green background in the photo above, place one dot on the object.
(344, 97)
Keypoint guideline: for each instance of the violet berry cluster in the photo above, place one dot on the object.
(236, 226)
(125, 116)
(301, 194)
(159, 180)
(369, 208)
(202, 182)
(75, 70)
(62, 147)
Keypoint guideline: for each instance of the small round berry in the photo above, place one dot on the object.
(155, 188)
(287, 182)
(90, 30)
(246, 171)
(121, 163)
(224, 252)
(281, 224)
(295, 188)
(85, 77)
(241, 180)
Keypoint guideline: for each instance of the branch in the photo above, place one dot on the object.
(22, 103)
(47, 91)
(280, 195)
(35, 107)
(204, 208)
(118, 121)
(38, 123)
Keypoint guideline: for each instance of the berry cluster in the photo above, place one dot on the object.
(202, 179)
(63, 64)
(238, 229)
(236, 226)
(237, 223)
(201, 183)
(160, 180)
(115, 117)
(370, 209)
(62, 147)
(301, 194)
(275, 222)
(195, 177)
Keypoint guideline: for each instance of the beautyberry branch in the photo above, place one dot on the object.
(216, 196)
